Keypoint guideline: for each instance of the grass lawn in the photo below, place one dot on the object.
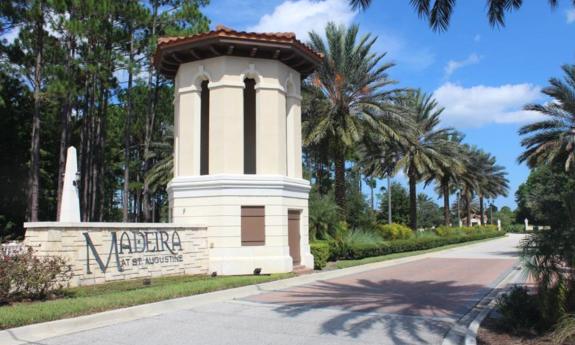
(351, 263)
(97, 298)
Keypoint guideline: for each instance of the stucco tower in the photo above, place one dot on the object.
(237, 150)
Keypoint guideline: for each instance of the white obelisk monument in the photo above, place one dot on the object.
(70, 207)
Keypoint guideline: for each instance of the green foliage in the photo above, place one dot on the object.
(550, 140)
(448, 231)
(549, 255)
(515, 228)
(321, 253)
(519, 310)
(394, 231)
(564, 332)
(26, 276)
(399, 204)
(323, 216)
(542, 199)
(352, 95)
(505, 215)
(360, 251)
(429, 214)
(359, 214)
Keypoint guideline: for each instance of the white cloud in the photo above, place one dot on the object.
(570, 16)
(454, 65)
(303, 16)
(480, 105)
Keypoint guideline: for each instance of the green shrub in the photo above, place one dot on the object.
(26, 276)
(446, 231)
(360, 251)
(426, 234)
(519, 310)
(394, 231)
(323, 216)
(321, 253)
(515, 228)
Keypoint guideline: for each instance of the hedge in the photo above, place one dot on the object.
(324, 250)
(320, 252)
(400, 246)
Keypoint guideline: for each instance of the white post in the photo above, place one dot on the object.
(526, 224)
(498, 224)
(70, 207)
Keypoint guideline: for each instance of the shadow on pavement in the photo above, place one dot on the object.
(407, 311)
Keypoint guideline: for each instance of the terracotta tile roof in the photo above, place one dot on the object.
(225, 32)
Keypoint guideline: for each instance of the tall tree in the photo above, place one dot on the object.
(424, 152)
(438, 12)
(447, 176)
(492, 181)
(353, 81)
(33, 17)
(552, 140)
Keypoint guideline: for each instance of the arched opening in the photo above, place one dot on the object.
(249, 126)
(205, 130)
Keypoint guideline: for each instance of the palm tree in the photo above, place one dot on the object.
(438, 12)
(552, 140)
(351, 84)
(446, 179)
(468, 180)
(426, 151)
(161, 154)
(378, 156)
(492, 181)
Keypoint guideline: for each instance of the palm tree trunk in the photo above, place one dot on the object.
(389, 220)
(481, 210)
(372, 198)
(340, 180)
(468, 208)
(446, 213)
(413, 202)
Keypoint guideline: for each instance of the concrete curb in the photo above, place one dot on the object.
(36, 332)
(471, 335)
(465, 329)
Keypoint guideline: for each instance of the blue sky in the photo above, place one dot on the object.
(481, 75)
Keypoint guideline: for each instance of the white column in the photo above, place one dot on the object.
(270, 132)
(226, 129)
(188, 144)
(294, 150)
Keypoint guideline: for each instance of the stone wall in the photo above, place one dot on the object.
(103, 252)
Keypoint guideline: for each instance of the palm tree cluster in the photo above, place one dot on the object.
(549, 145)
(351, 113)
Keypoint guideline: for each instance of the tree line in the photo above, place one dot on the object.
(354, 116)
(79, 72)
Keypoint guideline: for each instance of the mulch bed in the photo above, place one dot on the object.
(490, 333)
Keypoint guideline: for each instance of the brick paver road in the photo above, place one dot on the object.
(410, 303)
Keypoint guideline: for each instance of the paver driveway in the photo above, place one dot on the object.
(409, 303)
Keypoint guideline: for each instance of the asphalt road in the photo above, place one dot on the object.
(410, 303)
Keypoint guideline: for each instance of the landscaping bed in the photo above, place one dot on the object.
(367, 247)
(491, 333)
